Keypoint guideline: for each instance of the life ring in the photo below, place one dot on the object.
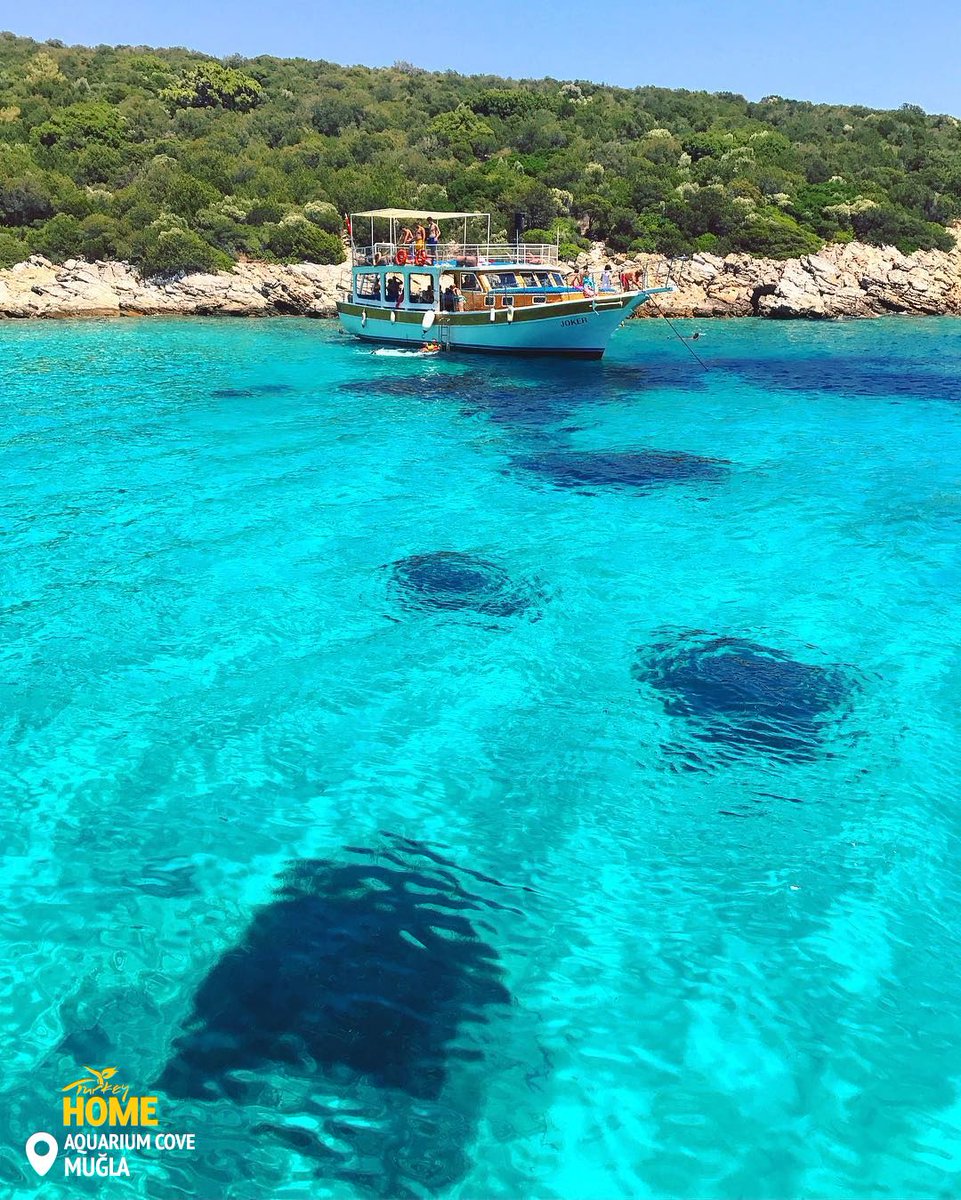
(400, 257)
(420, 259)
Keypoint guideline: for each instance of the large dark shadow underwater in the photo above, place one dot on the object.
(370, 979)
(742, 698)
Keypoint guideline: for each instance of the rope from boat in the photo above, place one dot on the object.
(680, 337)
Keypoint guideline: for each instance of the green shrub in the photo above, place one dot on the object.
(885, 225)
(325, 214)
(25, 199)
(773, 234)
(211, 85)
(60, 238)
(75, 127)
(98, 163)
(295, 241)
(264, 212)
(226, 234)
(12, 249)
(103, 237)
(174, 251)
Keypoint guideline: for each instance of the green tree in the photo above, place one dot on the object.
(103, 237)
(13, 249)
(463, 131)
(25, 199)
(775, 234)
(76, 126)
(211, 85)
(59, 238)
(301, 241)
(173, 251)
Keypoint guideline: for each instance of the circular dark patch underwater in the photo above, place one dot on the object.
(743, 696)
(450, 581)
(639, 470)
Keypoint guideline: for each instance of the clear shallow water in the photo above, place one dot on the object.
(486, 892)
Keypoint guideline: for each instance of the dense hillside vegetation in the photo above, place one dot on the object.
(174, 160)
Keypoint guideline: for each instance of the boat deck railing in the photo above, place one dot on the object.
(457, 254)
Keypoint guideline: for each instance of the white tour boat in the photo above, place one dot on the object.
(499, 298)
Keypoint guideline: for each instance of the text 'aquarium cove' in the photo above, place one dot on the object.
(475, 778)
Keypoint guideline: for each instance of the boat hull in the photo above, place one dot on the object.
(572, 329)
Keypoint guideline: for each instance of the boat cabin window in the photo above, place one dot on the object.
(504, 279)
(469, 282)
(556, 279)
(368, 285)
(421, 289)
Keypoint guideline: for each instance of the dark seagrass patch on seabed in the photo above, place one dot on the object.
(446, 580)
(846, 376)
(639, 470)
(744, 697)
(254, 389)
(434, 386)
(358, 975)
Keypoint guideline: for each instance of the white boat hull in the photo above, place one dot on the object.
(575, 328)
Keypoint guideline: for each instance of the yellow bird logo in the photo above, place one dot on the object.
(96, 1077)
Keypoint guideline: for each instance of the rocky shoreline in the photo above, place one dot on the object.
(37, 288)
(852, 280)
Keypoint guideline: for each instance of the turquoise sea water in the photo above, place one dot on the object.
(618, 859)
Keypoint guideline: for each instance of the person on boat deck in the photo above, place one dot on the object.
(577, 280)
(433, 237)
(420, 239)
(590, 289)
(406, 237)
(452, 300)
(395, 289)
(607, 283)
(428, 296)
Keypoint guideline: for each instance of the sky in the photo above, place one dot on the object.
(879, 53)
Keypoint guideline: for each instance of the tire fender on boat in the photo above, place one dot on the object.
(493, 314)
(363, 319)
(393, 317)
(429, 318)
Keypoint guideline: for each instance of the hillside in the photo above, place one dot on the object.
(174, 160)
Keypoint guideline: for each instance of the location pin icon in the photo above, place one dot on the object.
(43, 1159)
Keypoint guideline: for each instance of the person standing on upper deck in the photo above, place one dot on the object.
(406, 237)
(420, 240)
(433, 237)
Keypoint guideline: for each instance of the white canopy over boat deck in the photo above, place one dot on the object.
(444, 253)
